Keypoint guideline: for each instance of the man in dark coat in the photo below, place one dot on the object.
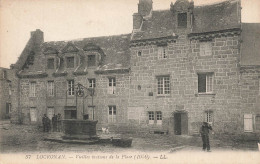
(48, 124)
(204, 132)
(54, 123)
(44, 122)
(59, 122)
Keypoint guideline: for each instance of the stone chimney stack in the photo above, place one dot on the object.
(37, 37)
(145, 7)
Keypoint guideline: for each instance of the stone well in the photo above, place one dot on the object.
(79, 129)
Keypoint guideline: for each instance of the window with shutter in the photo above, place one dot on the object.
(205, 82)
(205, 49)
(33, 114)
(248, 123)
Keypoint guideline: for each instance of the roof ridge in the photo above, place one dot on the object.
(216, 3)
(81, 39)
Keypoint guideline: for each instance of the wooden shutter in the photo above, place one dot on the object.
(248, 123)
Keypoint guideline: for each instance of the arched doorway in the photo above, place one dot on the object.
(180, 123)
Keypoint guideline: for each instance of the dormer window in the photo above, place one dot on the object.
(91, 60)
(50, 63)
(182, 20)
(70, 62)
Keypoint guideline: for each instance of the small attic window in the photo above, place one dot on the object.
(50, 63)
(182, 20)
(91, 60)
(70, 62)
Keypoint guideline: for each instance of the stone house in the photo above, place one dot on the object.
(177, 68)
(5, 96)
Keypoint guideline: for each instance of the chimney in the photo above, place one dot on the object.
(137, 20)
(145, 7)
(37, 37)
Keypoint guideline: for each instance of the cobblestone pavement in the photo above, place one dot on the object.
(30, 138)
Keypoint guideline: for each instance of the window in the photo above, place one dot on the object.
(32, 89)
(50, 63)
(92, 83)
(71, 87)
(257, 122)
(111, 85)
(248, 123)
(155, 117)
(205, 49)
(159, 117)
(209, 117)
(163, 85)
(162, 54)
(111, 114)
(9, 89)
(50, 88)
(182, 20)
(139, 53)
(33, 114)
(151, 117)
(91, 60)
(70, 62)
(8, 108)
(205, 83)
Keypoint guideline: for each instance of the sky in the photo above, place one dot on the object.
(75, 19)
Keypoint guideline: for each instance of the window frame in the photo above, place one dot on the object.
(35, 110)
(162, 52)
(67, 59)
(209, 84)
(204, 50)
(53, 64)
(209, 117)
(163, 85)
(113, 114)
(32, 89)
(92, 83)
(179, 18)
(139, 53)
(95, 60)
(111, 85)
(71, 88)
(50, 88)
(151, 117)
(252, 123)
(155, 117)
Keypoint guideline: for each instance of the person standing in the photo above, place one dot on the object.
(54, 123)
(48, 124)
(59, 122)
(204, 132)
(44, 122)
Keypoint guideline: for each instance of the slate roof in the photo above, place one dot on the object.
(250, 54)
(115, 48)
(208, 18)
(221, 16)
(161, 24)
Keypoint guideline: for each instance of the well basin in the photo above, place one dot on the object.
(79, 129)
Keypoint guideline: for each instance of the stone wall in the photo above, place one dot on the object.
(182, 65)
(101, 99)
(5, 97)
(250, 93)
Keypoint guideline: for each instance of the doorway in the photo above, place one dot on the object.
(70, 114)
(180, 123)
